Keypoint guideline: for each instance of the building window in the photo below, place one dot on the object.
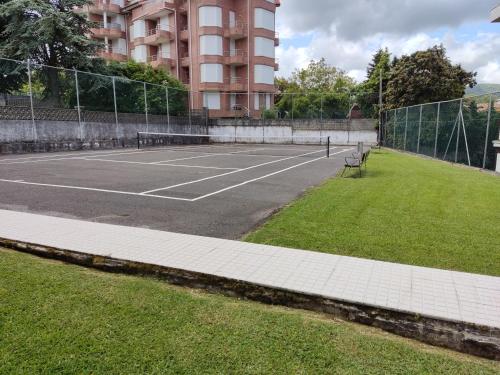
(264, 74)
(211, 100)
(210, 16)
(141, 54)
(264, 47)
(211, 73)
(264, 19)
(211, 45)
(139, 29)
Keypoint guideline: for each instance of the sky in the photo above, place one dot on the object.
(348, 32)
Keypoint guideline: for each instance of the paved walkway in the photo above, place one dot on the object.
(445, 295)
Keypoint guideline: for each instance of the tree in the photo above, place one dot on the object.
(368, 92)
(319, 90)
(49, 33)
(426, 76)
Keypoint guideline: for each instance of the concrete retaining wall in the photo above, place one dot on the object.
(20, 135)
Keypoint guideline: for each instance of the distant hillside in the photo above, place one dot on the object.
(483, 88)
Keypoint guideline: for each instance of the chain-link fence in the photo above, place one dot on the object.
(34, 92)
(92, 103)
(460, 131)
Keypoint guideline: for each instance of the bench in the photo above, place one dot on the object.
(357, 160)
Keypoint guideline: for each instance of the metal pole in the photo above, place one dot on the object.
(189, 113)
(437, 130)
(465, 137)
(321, 108)
(35, 135)
(78, 104)
(116, 107)
(458, 130)
(168, 110)
(380, 104)
(487, 132)
(292, 107)
(395, 124)
(451, 138)
(146, 107)
(406, 128)
(419, 128)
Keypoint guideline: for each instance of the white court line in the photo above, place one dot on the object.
(232, 172)
(263, 177)
(22, 182)
(159, 165)
(95, 189)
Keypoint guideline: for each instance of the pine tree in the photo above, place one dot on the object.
(47, 32)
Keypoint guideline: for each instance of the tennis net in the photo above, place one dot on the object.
(261, 145)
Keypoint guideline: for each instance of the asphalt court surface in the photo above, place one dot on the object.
(213, 190)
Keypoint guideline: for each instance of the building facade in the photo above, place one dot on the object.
(223, 50)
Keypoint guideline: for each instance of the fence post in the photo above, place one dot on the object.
(116, 107)
(437, 130)
(292, 108)
(168, 110)
(78, 109)
(458, 130)
(35, 135)
(395, 124)
(146, 107)
(189, 113)
(419, 128)
(490, 104)
(321, 107)
(406, 128)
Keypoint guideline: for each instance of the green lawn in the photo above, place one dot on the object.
(405, 209)
(58, 318)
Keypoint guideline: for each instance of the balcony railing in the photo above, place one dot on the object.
(114, 50)
(235, 52)
(160, 28)
(109, 25)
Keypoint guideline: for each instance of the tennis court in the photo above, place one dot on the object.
(220, 189)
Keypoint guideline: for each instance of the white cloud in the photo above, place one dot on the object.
(350, 37)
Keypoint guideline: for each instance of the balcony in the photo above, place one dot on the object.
(101, 7)
(153, 10)
(159, 35)
(111, 53)
(236, 111)
(276, 39)
(185, 60)
(236, 57)
(276, 65)
(157, 61)
(184, 35)
(183, 7)
(237, 84)
(110, 30)
(237, 31)
(495, 14)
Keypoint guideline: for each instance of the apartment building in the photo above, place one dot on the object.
(223, 50)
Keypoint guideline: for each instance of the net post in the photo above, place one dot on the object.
(138, 141)
(328, 146)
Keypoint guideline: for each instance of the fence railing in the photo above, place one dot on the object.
(461, 131)
(30, 91)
